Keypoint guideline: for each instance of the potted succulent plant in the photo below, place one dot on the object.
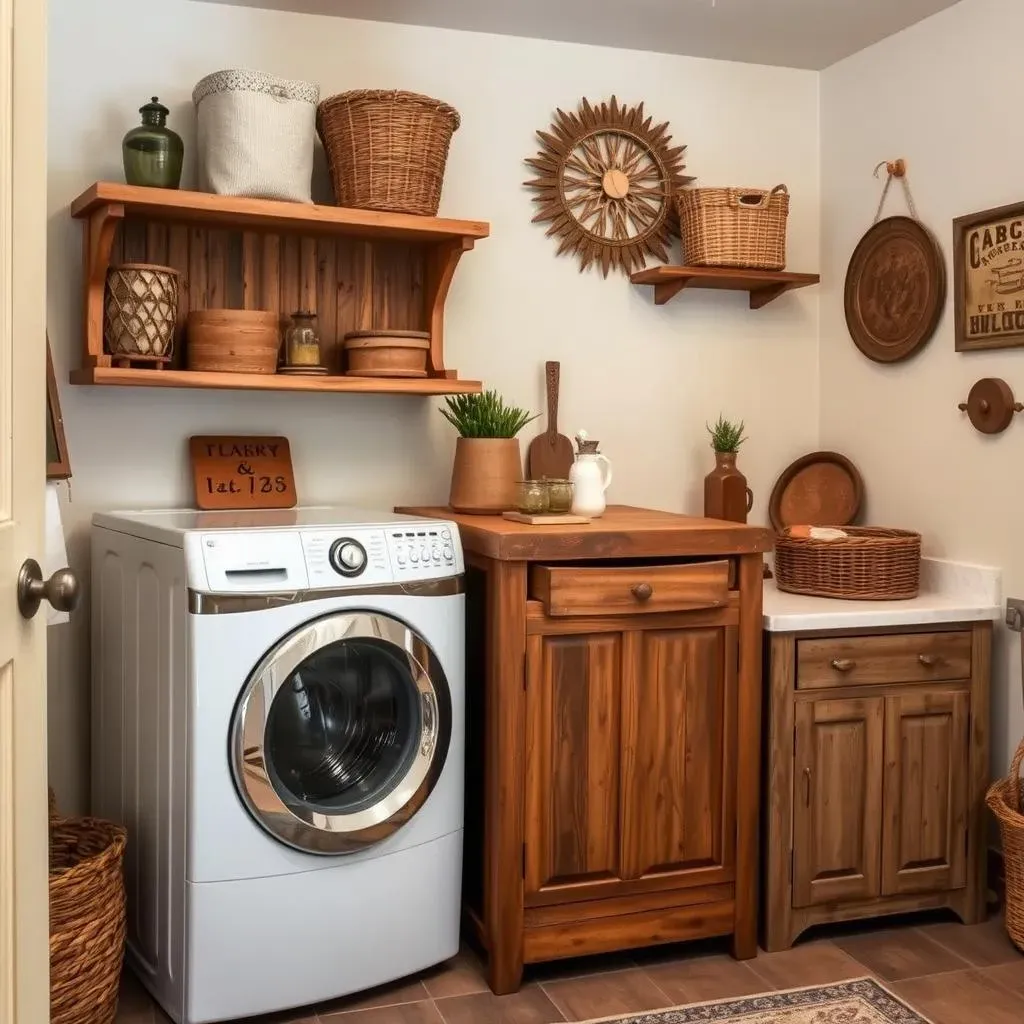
(726, 494)
(488, 464)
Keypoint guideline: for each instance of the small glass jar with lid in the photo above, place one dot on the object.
(531, 497)
(151, 152)
(559, 496)
(302, 342)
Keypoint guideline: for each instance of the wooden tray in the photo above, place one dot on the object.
(819, 489)
(545, 519)
(895, 289)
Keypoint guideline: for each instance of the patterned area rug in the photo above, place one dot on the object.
(863, 1001)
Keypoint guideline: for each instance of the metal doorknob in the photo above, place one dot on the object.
(62, 589)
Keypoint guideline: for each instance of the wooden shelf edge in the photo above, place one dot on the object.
(424, 386)
(269, 214)
(763, 285)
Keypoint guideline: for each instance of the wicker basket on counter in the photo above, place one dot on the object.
(734, 227)
(871, 564)
(387, 149)
(87, 918)
(1004, 800)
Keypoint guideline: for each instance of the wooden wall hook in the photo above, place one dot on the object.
(895, 168)
(990, 405)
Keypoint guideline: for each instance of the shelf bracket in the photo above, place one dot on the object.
(762, 296)
(442, 260)
(98, 240)
(666, 290)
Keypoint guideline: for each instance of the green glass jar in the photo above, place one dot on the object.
(153, 153)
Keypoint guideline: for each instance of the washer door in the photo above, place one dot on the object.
(341, 732)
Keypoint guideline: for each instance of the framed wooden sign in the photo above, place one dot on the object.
(988, 275)
(240, 472)
(58, 466)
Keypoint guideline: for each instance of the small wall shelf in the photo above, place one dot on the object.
(763, 285)
(356, 269)
(136, 378)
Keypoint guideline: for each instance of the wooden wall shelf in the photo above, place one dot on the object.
(141, 378)
(356, 269)
(763, 285)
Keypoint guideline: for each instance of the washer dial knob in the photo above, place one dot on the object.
(348, 556)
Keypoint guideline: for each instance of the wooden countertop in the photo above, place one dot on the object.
(622, 532)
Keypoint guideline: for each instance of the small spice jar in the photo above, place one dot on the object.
(301, 341)
(531, 497)
(559, 496)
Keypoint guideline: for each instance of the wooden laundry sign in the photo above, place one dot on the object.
(240, 472)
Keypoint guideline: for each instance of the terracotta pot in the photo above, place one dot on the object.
(726, 494)
(485, 474)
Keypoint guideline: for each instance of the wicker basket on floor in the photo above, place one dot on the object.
(1004, 800)
(871, 564)
(734, 227)
(387, 149)
(87, 919)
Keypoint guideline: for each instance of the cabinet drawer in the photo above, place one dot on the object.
(868, 660)
(615, 590)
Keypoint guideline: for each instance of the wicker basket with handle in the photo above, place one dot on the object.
(87, 918)
(1004, 800)
(871, 564)
(387, 149)
(734, 227)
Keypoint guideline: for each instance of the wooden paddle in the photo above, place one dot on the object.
(550, 454)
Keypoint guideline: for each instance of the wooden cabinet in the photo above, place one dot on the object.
(614, 710)
(878, 760)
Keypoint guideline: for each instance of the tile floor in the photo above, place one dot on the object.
(950, 973)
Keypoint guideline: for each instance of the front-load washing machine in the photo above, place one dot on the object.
(278, 721)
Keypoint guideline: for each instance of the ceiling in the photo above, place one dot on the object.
(792, 33)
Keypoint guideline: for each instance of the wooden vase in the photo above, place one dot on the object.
(726, 494)
(485, 474)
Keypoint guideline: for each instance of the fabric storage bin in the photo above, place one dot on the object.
(734, 227)
(255, 135)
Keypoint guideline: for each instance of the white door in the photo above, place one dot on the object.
(24, 910)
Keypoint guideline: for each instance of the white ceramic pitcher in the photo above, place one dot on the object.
(590, 474)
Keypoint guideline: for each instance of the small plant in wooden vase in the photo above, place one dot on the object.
(726, 494)
(488, 464)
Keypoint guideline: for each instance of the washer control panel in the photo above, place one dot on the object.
(424, 550)
(329, 557)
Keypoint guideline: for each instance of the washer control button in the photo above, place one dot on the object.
(414, 555)
(448, 553)
(348, 556)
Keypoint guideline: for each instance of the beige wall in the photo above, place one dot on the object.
(941, 95)
(642, 379)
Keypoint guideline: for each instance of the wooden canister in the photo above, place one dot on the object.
(386, 353)
(233, 340)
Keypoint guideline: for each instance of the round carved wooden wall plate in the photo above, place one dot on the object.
(990, 405)
(895, 289)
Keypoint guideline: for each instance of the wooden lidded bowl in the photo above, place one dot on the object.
(387, 353)
(233, 340)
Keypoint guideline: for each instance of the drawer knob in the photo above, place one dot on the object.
(843, 664)
(928, 660)
(642, 591)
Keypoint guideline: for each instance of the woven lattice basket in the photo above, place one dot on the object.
(387, 149)
(87, 919)
(734, 227)
(140, 310)
(1004, 800)
(871, 564)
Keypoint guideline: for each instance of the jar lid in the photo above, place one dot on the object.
(154, 107)
(586, 445)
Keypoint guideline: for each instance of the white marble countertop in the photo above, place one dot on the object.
(950, 592)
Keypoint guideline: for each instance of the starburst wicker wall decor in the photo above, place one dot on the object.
(607, 184)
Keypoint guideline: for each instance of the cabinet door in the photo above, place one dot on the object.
(837, 821)
(574, 691)
(679, 716)
(926, 768)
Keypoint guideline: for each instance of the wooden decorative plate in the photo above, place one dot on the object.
(820, 489)
(895, 289)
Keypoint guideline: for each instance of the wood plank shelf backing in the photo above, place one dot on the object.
(763, 285)
(356, 269)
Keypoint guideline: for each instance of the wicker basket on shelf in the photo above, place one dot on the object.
(734, 227)
(387, 149)
(1004, 800)
(87, 918)
(871, 564)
